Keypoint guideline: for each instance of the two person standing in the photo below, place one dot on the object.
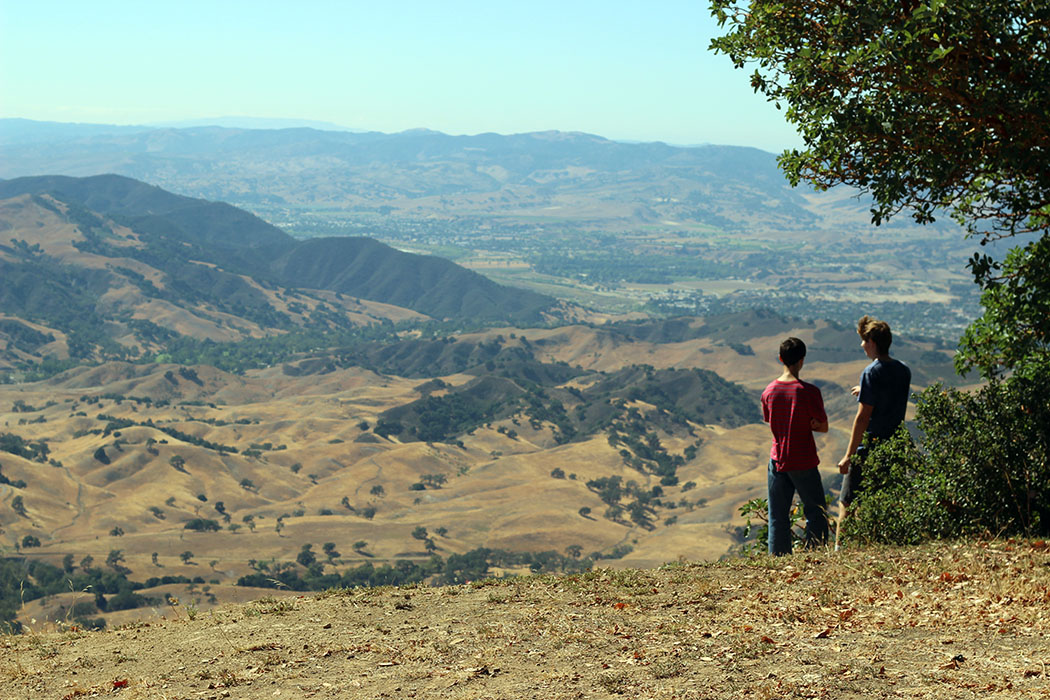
(794, 410)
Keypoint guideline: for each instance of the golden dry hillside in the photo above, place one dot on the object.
(204, 477)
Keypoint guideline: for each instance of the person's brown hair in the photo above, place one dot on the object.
(877, 331)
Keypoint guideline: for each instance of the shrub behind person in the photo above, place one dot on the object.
(981, 467)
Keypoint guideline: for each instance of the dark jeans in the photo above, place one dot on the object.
(782, 488)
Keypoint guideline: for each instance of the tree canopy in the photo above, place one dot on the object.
(926, 105)
(929, 106)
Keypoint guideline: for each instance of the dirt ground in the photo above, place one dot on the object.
(942, 621)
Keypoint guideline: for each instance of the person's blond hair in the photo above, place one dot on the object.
(877, 331)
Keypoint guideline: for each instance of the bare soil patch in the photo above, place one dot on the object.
(941, 621)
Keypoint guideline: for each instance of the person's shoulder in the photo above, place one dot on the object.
(893, 366)
(777, 386)
(811, 389)
(889, 366)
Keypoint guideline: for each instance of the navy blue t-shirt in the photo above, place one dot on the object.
(885, 385)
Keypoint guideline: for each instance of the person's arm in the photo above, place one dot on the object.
(817, 426)
(860, 424)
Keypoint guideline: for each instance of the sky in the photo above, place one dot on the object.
(622, 69)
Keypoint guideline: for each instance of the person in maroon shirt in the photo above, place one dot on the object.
(794, 410)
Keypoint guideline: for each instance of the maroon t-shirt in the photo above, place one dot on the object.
(788, 407)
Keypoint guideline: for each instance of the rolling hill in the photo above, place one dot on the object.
(110, 267)
(615, 227)
(417, 174)
(405, 458)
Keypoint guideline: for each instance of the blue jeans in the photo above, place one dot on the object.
(782, 488)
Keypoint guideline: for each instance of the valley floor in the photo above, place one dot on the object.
(941, 621)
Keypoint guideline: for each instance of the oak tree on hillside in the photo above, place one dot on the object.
(306, 555)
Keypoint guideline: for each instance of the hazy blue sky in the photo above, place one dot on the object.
(625, 70)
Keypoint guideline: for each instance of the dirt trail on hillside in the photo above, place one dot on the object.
(944, 621)
(376, 478)
(79, 506)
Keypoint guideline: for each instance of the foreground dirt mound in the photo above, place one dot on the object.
(943, 621)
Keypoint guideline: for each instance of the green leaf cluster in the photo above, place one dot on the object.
(1014, 330)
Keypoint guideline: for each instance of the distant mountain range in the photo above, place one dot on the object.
(234, 122)
(107, 266)
(586, 179)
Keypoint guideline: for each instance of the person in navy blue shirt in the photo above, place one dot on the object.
(882, 399)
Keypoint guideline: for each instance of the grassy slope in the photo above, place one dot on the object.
(942, 621)
(64, 284)
(499, 492)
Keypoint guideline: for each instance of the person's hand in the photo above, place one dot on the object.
(855, 390)
(844, 465)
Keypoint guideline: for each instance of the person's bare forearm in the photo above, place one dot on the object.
(860, 424)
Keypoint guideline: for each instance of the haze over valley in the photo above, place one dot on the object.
(617, 227)
(231, 361)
